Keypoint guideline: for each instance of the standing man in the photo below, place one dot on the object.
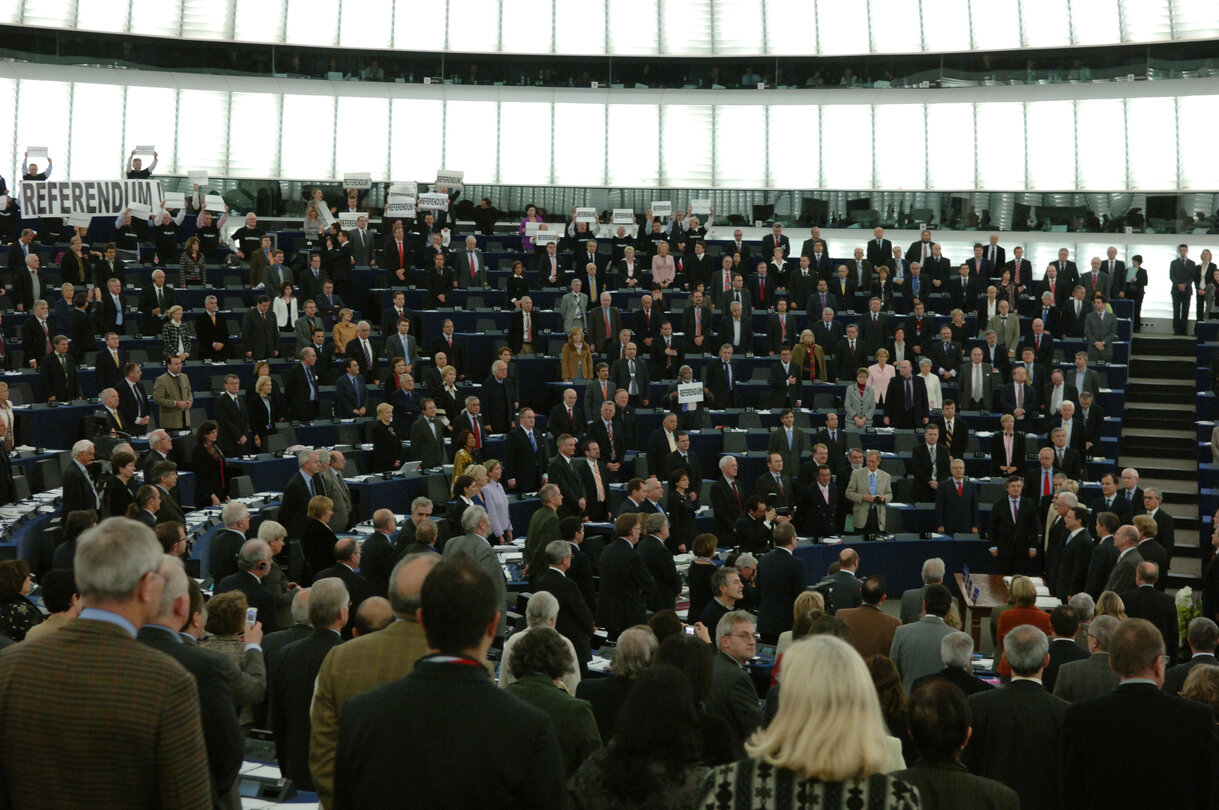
(625, 580)
(233, 419)
(172, 394)
(870, 489)
(1181, 273)
(780, 580)
(1014, 530)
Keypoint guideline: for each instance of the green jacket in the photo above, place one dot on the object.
(572, 718)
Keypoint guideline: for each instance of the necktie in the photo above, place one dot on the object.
(118, 311)
(698, 322)
(47, 334)
(266, 403)
(596, 470)
(1039, 343)
(528, 338)
(478, 434)
(959, 494)
(604, 391)
(872, 483)
(672, 443)
(117, 420)
(783, 328)
(909, 393)
(762, 289)
(948, 432)
(309, 484)
(823, 300)
(1045, 483)
(1015, 510)
(790, 440)
(473, 266)
(1019, 397)
(532, 441)
(367, 354)
(779, 484)
(570, 416)
(609, 432)
(736, 492)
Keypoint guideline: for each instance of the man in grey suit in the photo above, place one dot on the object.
(912, 600)
(574, 308)
(470, 266)
(1125, 540)
(1100, 330)
(361, 242)
(1092, 676)
(733, 697)
(305, 324)
(277, 275)
(916, 647)
(427, 440)
(474, 544)
(402, 343)
(788, 441)
(333, 463)
(870, 489)
(977, 383)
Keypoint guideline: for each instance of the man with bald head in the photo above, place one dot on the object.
(365, 663)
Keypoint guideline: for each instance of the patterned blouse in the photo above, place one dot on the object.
(754, 783)
(17, 616)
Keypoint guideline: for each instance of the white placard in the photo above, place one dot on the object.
(197, 177)
(586, 215)
(434, 201)
(408, 188)
(689, 392)
(533, 227)
(36, 152)
(146, 149)
(662, 208)
(545, 238)
(58, 198)
(349, 219)
(79, 220)
(445, 177)
(357, 180)
(140, 210)
(323, 214)
(400, 206)
(700, 207)
(623, 216)
(175, 199)
(214, 202)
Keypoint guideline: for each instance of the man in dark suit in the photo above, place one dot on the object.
(653, 547)
(784, 380)
(906, 399)
(851, 354)
(1067, 460)
(780, 580)
(1145, 602)
(727, 501)
(722, 378)
(684, 459)
(1015, 530)
(596, 508)
(1019, 399)
(929, 466)
(776, 238)
(956, 503)
(827, 332)
(874, 327)
(575, 620)
(880, 249)
(346, 560)
(1165, 534)
(1018, 727)
(818, 507)
(361, 350)
(1181, 272)
(631, 375)
(78, 489)
(790, 441)
(956, 651)
(227, 543)
(58, 372)
(212, 329)
(259, 331)
(427, 437)
(775, 486)
(302, 387)
(1175, 737)
(1202, 636)
(945, 355)
(668, 353)
(221, 731)
(525, 459)
(301, 487)
(626, 582)
(607, 431)
(253, 562)
(698, 324)
(233, 419)
(523, 328)
(563, 473)
(660, 444)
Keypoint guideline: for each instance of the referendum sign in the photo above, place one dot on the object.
(53, 198)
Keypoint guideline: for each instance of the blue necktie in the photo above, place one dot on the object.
(532, 442)
(872, 483)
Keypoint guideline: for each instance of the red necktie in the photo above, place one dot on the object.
(473, 266)
(1039, 343)
(570, 416)
(401, 259)
(762, 289)
(1045, 483)
(478, 434)
(736, 492)
(607, 323)
(959, 489)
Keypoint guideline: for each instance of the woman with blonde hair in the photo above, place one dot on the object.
(344, 330)
(175, 335)
(809, 357)
(826, 743)
(879, 375)
(576, 362)
(275, 580)
(1110, 604)
(318, 539)
(495, 500)
(1023, 594)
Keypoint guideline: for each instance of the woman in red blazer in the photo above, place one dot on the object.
(1024, 596)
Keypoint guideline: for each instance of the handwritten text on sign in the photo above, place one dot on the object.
(57, 198)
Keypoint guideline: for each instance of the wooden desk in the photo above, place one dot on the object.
(992, 593)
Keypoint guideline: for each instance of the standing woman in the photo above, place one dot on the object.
(664, 269)
(344, 331)
(496, 501)
(192, 266)
(1202, 276)
(879, 375)
(464, 457)
(463, 499)
(681, 507)
(263, 411)
(120, 489)
(74, 266)
(175, 335)
(211, 480)
(576, 362)
(531, 215)
(285, 308)
(275, 580)
(1136, 288)
(698, 576)
(318, 539)
(517, 286)
(386, 445)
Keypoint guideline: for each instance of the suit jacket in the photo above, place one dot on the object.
(879, 251)
(799, 445)
(726, 508)
(1062, 651)
(294, 504)
(290, 697)
(523, 462)
(1013, 539)
(256, 595)
(733, 698)
(1145, 602)
(1176, 740)
(916, 648)
(659, 561)
(479, 552)
(625, 586)
(426, 446)
(1086, 678)
(958, 514)
(717, 379)
(222, 557)
(598, 336)
(781, 578)
(95, 673)
(942, 784)
(1017, 729)
(620, 376)
(575, 621)
(59, 378)
(900, 413)
(1072, 567)
(234, 425)
(1122, 578)
(566, 477)
(859, 486)
(259, 335)
(209, 333)
(1174, 678)
(78, 492)
(1165, 538)
(358, 587)
(665, 366)
(921, 472)
(606, 696)
(871, 629)
(817, 517)
(965, 681)
(769, 243)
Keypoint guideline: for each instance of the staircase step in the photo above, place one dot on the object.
(1181, 448)
(1155, 419)
(1157, 465)
(1152, 393)
(1185, 567)
(1174, 367)
(1146, 343)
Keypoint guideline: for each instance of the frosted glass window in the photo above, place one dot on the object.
(794, 159)
(417, 122)
(895, 26)
(577, 31)
(1146, 20)
(900, 141)
(738, 27)
(524, 142)
(526, 26)
(579, 145)
(473, 25)
(258, 20)
(207, 19)
(37, 104)
(996, 24)
(685, 27)
(1101, 151)
(634, 143)
(8, 88)
(950, 150)
(685, 142)
(362, 140)
(469, 139)
(740, 146)
(311, 22)
(846, 147)
(1197, 142)
(97, 151)
(634, 26)
(306, 152)
(842, 27)
(946, 25)
(792, 27)
(1153, 157)
(366, 23)
(104, 15)
(253, 123)
(1000, 154)
(156, 18)
(419, 26)
(1096, 22)
(202, 124)
(10, 11)
(150, 120)
(1047, 24)
(51, 13)
(1194, 18)
(1049, 131)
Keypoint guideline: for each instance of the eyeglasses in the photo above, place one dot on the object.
(742, 635)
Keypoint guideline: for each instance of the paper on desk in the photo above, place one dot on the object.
(1048, 602)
